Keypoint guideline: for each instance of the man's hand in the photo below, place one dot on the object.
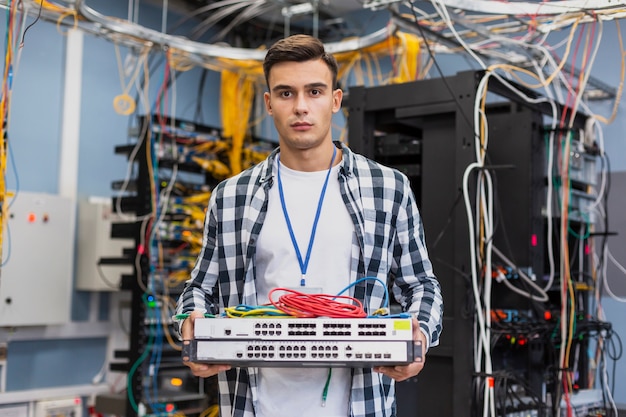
(201, 370)
(400, 373)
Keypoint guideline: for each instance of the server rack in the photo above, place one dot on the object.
(426, 129)
(159, 145)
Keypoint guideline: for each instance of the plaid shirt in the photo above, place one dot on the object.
(390, 243)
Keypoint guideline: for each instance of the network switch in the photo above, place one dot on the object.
(304, 329)
(292, 342)
(302, 353)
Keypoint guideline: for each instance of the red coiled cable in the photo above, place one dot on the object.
(299, 304)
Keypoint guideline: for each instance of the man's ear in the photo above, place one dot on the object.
(337, 98)
(268, 104)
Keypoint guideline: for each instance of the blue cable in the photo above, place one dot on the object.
(386, 300)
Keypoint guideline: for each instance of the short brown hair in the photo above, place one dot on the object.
(298, 48)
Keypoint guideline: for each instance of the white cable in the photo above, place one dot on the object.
(606, 286)
(604, 172)
(550, 186)
(143, 96)
(136, 11)
(165, 194)
(542, 297)
(174, 95)
(549, 212)
(605, 375)
(480, 311)
(563, 266)
(478, 114)
(549, 58)
(487, 203)
(532, 9)
(127, 177)
(130, 10)
(587, 74)
(474, 272)
(481, 86)
(605, 384)
(441, 9)
(443, 12)
(484, 328)
(604, 378)
(100, 375)
(480, 119)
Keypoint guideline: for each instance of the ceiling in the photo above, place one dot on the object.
(250, 23)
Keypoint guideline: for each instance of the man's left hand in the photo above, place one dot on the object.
(402, 372)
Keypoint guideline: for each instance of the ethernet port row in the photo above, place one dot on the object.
(372, 333)
(302, 325)
(268, 326)
(292, 355)
(337, 333)
(261, 348)
(372, 325)
(325, 355)
(301, 333)
(258, 355)
(337, 325)
(290, 348)
(324, 348)
(267, 332)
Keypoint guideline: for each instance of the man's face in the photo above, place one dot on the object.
(302, 101)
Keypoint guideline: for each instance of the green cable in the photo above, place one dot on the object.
(325, 391)
(586, 222)
(184, 316)
(131, 397)
(133, 369)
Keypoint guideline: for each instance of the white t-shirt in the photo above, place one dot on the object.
(286, 392)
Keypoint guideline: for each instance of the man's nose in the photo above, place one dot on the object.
(301, 105)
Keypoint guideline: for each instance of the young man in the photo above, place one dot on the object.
(311, 200)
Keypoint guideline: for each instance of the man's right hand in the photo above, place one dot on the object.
(201, 370)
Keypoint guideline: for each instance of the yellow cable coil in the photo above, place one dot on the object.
(214, 166)
(199, 198)
(409, 63)
(237, 93)
(212, 411)
(403, 47)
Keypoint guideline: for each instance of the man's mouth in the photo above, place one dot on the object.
(301, 126)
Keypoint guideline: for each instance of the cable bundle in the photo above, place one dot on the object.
(305, 305)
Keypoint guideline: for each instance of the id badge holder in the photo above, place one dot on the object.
(307, 290)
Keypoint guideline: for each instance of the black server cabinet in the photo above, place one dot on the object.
(426, 130)
(424, 115)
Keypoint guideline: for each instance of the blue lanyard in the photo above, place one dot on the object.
(304, 265)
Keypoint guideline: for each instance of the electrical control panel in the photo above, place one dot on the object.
(38, 257)
(100, 259)
(62, 407)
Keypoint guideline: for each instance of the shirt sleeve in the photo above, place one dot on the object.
(415, 285)
(200, 292)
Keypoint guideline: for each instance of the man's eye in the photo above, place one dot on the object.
(285, 94)
(316, 92)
